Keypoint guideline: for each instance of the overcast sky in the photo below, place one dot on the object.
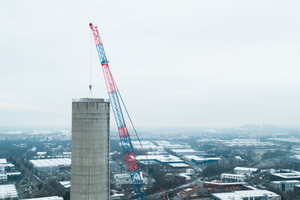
(177, 63)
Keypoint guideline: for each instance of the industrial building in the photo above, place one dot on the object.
(247, 144)
(186, 176)
(233, 177)
(297, 190)
(295, 151)
(285, 176)
(3, 178)
(51, 164)
(285, 185)
(122, 180)
(14, 176)
(168, 145)
(188, 152)
(246, 194)
(161, 159)
(6, 165)
(189, 192)
(246, 170)
(66, 185)
(90, 149)
(293, 159)
(175, 168)
(219, 185)
(148, 146)
(202, 161)
(8, 192)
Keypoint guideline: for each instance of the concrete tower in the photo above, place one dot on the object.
(90, 149)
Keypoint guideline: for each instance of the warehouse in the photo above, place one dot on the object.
(187, 152)
(285, 176)
(176, 168)
(8, 192)
(161, 159)
(293, 159)
(247, 144)
(123, 180)
(14, 176)
(246, 170)
(202, 161)
(168, 145)
(6, 165)
(51, 164)
(3, 178)
(3, 161)
(218, 185)
(233, 177)
(147, 145)
(246, 194)
(285, 185)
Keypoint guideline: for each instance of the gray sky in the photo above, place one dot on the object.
(176, 63)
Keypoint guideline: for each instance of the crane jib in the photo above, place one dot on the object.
(125, 140)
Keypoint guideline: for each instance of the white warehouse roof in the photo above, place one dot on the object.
(8, 191)
(65, 184)
(147, 146)
(161, 158)
(178, 165)
(3, 161)
(240, 195)
(51, 162)
(246, 169)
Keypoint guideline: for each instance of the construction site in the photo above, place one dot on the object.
(161, 101)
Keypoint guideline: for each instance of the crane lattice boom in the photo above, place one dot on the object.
(117, 110)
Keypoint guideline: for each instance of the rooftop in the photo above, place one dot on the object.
(246, 169)
(230, 183)
(200, 158)
(178, 165)
(241, 175)
(240, 195)
(161, 158)
(8, 191)
(65, 184)
(288, 175)
(290, 181)
(3, 161)
(51, 162)
(122, 175)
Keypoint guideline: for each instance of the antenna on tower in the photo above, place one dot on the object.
(90, 92)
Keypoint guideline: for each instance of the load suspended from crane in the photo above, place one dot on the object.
(114, 96)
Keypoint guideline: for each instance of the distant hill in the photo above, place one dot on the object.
(253, 127)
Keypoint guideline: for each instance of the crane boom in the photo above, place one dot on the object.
(125, 140)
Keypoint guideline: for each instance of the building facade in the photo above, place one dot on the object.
(246, 170)
(90, 149)
(285, 185)
(233, 177)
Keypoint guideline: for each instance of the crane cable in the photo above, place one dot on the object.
(90, 95)
(140, 143)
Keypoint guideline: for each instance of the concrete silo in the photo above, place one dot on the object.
(90, 149)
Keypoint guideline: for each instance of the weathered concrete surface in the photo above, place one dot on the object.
(90, 149)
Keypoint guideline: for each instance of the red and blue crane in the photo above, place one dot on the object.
(115, 97)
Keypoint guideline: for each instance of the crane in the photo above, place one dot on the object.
(115, 97)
